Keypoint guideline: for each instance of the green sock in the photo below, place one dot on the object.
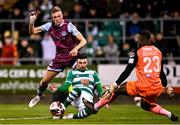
(82, 114)
(76, 92)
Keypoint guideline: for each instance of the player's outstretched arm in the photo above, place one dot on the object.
(32, 29)
(82, 43)
(167, 89)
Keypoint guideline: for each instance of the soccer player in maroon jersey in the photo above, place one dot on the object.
(67, 39)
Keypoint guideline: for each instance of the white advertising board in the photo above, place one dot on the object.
(110, 73)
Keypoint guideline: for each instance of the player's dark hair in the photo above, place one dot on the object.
(82, 56)
(145, 33)
(145, 36)
(55, 9)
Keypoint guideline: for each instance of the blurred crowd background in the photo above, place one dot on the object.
(110, 27)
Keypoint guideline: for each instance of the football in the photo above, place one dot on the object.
(57, 108)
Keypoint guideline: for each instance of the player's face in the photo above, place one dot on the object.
(57, 18)
(82, 64)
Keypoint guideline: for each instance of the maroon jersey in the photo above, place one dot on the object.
(65, 40)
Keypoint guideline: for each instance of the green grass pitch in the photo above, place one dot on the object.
(119, 114)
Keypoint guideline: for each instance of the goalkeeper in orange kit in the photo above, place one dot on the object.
(151, 80)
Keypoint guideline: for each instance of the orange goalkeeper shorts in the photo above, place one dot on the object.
(134, 88)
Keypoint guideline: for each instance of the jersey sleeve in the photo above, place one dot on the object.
(96, 78)
(64, 88)
(133, 58)
(163, 76)
(98, 84)
(72, 29)
(67, 83)
(46, 26)
(69, 78)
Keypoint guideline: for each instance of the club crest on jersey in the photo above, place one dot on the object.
(63, 33)
(85, 82)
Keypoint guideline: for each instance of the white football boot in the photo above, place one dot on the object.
(35, 100)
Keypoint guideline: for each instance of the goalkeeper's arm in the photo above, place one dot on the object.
(163, 76)
(131, 65)
(167, 89)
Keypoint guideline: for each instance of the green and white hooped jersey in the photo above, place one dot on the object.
(75, 76)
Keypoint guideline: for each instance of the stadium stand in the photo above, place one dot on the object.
(120, 18)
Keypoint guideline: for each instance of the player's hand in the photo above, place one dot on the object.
(170, 92)
(53, 88)
(85, 82)
(107, 94)
(73, 52)
(112, 87)
(107, 106)
(32, 17)
(108, 91)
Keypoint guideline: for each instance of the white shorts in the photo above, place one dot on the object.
(78, 103)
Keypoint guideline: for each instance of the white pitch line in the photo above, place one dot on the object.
(33, 118)
(30, 118)
(147, 118)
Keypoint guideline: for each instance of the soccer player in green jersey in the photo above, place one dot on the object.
(82, 82)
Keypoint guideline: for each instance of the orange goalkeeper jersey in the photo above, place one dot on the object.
(148, 67)
(149, 72)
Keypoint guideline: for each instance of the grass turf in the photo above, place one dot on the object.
(119, 114)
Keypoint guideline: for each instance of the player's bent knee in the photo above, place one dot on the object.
(145, 105)
(44, 82)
